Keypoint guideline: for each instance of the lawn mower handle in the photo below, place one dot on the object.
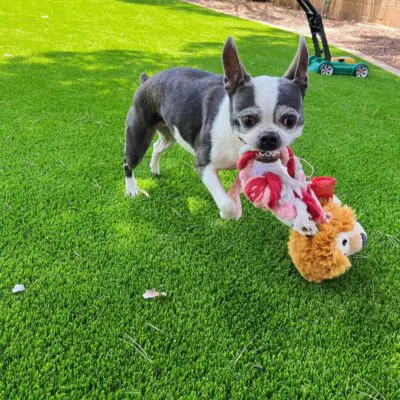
(317, 29)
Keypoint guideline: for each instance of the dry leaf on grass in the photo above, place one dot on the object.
(143, 192)
(153, 294)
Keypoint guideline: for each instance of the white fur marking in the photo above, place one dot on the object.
(182, 142)
(266, 96)
(225, 144)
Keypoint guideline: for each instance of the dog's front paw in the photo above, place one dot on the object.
(131, 192)
(228, 211)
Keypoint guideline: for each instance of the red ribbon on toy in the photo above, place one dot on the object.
(245, 158)
(254, 190)
(323, 186)
(313, 206)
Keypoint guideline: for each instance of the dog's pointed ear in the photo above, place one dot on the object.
(234, 73)
(298, 69)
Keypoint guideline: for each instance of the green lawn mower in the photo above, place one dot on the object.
(322, 62)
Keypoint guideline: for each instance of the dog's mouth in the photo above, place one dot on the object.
(268, 156)
(264, 156)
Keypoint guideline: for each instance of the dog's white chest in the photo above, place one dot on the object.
(225, 144)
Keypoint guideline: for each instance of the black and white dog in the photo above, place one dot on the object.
(212, 116)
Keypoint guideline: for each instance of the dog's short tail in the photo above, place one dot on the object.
(143, 77)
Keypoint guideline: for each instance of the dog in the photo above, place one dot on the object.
(212, 116)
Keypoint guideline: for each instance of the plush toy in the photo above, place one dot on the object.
(324, 233)
(326, 254)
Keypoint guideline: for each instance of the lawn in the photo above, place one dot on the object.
(85, 253)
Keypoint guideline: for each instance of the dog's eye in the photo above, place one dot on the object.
(249, 121)
(344, 242)
(289, 121)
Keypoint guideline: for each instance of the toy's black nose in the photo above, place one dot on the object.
(364, 239)
(269, 141)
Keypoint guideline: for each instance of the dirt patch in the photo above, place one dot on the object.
(377, 41)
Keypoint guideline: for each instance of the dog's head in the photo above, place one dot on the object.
(266, 112)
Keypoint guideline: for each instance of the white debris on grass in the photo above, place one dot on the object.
(153, 294)
(18, 288)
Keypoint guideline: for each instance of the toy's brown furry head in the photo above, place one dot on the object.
(325, 255)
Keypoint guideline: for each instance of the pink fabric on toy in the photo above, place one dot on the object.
(276, 186)
(286, 212)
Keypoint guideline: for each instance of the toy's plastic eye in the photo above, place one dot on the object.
(343, 243)
(249, 121)
(289, 121)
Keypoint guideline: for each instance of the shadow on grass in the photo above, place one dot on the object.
(176, 6)
(95, 75)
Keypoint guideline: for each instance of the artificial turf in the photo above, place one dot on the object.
(85, 253)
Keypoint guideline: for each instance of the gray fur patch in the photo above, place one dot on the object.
(179, 96)
(289, 96)
(243, 98)
(186, 98)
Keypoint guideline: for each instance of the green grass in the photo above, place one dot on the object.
(86, 253)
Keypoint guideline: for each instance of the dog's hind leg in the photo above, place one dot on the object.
(138, 136)
(164, 142)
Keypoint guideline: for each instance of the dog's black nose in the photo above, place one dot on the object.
(269, 141)
(364, 239)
